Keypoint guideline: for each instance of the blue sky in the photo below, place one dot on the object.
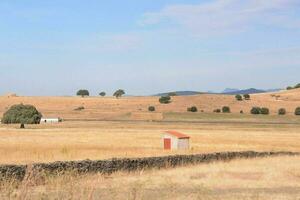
(54, 47)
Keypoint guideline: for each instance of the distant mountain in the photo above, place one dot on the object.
(179, 93)
(229, 90)
(246, 91)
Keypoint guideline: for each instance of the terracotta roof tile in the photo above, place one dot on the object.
(177, 134)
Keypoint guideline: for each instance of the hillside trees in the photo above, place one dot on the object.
(165, 100)
(238, 97)
(83, 93)
(119, 93)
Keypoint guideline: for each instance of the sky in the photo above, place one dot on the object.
(55, 47)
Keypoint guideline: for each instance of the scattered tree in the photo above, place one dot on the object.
(297, 86)
(247, 96)
(241, 112)
(102, 94)
(255, 110)
(119, 93)
(22, 114)
(289, 88)
(165, 99)
(281, 111)
(192, 109)
(238, 97)
(226, 109)
(297, 111)
(151, 108)
(83, 93)
(265, 111)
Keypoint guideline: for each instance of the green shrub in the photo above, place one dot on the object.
(226, 109)
(22, 114)
(165, 99)
(297, 111)
(256, 110)
(83, 93)
(281, 111)
(192, 109)
(151, 108)
(238, 97)
(217, 110)
(102, 94)
(289, 88)
(265, 111)
(247, 96)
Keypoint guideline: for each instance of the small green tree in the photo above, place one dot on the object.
(226, 109)
(83, 93)
(297, 111)
(281, 111)
(238, 97)
(165, 99)
(151, 108)
(265, 111)
(192, 109)
(255, 110)
(119, 93)
(241, 112)
(21, 114)
(102, 94)
(289, 88)
(247, 96)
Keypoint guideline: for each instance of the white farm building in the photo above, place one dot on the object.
(173, 140)
(50, 120)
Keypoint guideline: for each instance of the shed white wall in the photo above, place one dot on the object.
(50, 120)
(183, 144)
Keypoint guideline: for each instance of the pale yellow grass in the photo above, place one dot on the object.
(104, 140)
(275, 178)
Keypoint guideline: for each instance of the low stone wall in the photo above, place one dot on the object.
(114, 165)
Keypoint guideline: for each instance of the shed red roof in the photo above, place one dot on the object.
(177, 134)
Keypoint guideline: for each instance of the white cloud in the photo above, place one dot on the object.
(226, 16)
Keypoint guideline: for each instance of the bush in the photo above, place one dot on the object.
(246, 96)
(241, 112)
(281, 111)
(22, 114)
(165, 99)
(238, 97)
(255, 110)
(217, 110)
(265, 111)
(297, 111)
(83, 93)
(226, 109)
(289, 88)
(79, 108)
(119, 93)
(192, 109)
(151, 108)
(102, 94)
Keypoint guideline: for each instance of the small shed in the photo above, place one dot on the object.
(174, 140)
(50, 120)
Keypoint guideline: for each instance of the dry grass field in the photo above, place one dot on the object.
(115, 132)
(111, 108)
(275, 178)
